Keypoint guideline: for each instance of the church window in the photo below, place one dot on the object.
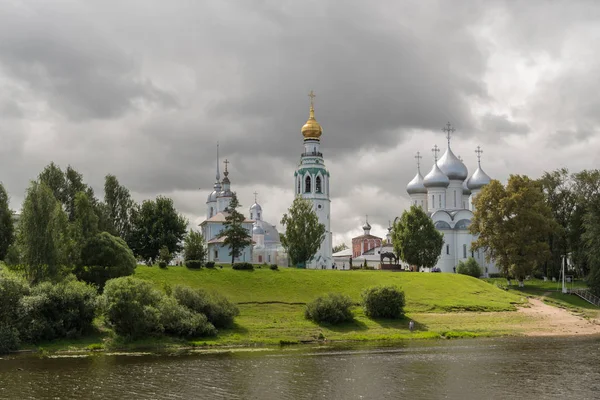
(269, 258)
(258, 216)
(251, 215)
(307, 185)
(464, 251)
(259, 259)
(472, 253)
(211, 212)
(455, 198)
(433, 200)
(440, 200)
(216, 254)
(318, 185)
(299, 185)
(447, 249)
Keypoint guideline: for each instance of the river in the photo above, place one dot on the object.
(502, 368)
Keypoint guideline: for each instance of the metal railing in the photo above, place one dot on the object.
(312, 153)
(587, 296)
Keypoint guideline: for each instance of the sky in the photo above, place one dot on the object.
(145, 89)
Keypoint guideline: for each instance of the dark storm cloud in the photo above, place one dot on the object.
(144, 90)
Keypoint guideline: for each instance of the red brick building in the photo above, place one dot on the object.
(364, 242)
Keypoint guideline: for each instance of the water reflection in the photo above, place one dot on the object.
(466, 369)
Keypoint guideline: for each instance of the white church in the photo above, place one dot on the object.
(447, 194)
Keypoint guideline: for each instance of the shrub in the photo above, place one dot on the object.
(13, 257)
(495, 275)
(246, 266)
(274, 267)
(164, 257)
(218, 309)
(179, 320)
(12, 290)
(130, 306)
(162, 264)
(193, 264)
(469, 267)
(106, 257)
(58, 310)
(334, 308)
(193, 248)
(9, 339)
(383, 302)
(210, 264)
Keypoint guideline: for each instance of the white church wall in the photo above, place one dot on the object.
(454, 195)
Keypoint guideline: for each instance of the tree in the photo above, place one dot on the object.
(236, 236)
(303, 232)
(469, 267)
(43, 233)
(119, 206)
(193, 247)
(7, 229)
(560, 197)
(339, 247)
(156, 224)
(83, 227)
(54, 178)
(415, 239)
(591, 241)
(513, 225)
(586, 187)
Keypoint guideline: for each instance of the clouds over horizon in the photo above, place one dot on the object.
(144, 90)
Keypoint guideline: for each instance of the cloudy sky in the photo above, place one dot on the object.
(145, 89)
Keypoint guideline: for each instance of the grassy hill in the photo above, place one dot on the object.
(424, 292)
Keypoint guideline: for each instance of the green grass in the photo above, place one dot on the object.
(424, 292)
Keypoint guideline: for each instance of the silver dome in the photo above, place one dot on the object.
(416, 185)
(258, 230)
(255, 207)
(436, 178)
(212, 197)
(466, 189)
(452, 166)
(478, 180)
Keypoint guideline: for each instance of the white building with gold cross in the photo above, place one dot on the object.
(446, 193)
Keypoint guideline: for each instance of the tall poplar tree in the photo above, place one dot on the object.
(7, 229)
(236, 236)
(303, 232)
(119, 206)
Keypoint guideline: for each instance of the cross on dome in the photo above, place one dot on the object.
(226, 172)
(418, 158)
(312, 96)
(435, 151)
(478, 151)
(255, 194)
(218, 174)
(449, 130)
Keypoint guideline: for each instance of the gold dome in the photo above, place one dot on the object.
(312, 129)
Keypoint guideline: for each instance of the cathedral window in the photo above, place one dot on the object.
(258, 216)
(299, 183)
(447, 249)
(433, 200)
(464, 251)
(216, 254)
(455, 198)
(251, 215)
(318, 185)
(440, 200)
(211, 212)
(307, 185)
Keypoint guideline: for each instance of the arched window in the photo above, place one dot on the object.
(307, 185)
(318, 185)
(299, 182)
(211, 212)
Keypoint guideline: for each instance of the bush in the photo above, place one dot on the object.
(9, 339)
(383, 302)
(130, 306)
(334, 308)
(218, 309)
(496, 275)
(209, 264)
(469, 267)
(12, 289)
(193, 248)
(58, 310)
(179, 320)
(106, 257)
(162, 264)
(246, 266)
(274, 267)
(193, 264)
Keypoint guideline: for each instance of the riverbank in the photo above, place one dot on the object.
(272, 303)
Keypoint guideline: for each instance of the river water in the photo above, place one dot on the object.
(504, 368)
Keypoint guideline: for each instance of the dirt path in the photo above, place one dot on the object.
(553, 321)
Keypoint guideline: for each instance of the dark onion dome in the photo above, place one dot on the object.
(436, 178)
(452, 167)
(366, 226)
(416, 186)
(479, 179)
(466, 189)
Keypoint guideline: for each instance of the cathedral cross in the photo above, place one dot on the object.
(312, 96)
(478, 152)
(449, 130)
(226, 162)
(435, 151)
(418, 158)
(255, 194)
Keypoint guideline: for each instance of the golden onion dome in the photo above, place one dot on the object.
(312, 129)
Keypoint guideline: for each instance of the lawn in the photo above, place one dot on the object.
(425, 292)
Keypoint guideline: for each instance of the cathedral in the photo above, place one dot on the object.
(447, 194)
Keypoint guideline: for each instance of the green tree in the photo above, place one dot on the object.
(586, 187)
(193, 247)
(339, 247)
(43, 233)
(7, 229)
(303, 232)
(119, 206)
(469, 267)
(155, 224)
(83, 227)
(560, 197)
(513, 225)
(236, 236)
(415, 239)
(54, 178)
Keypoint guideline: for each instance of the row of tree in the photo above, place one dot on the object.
(61, 215)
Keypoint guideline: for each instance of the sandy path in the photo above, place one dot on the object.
(553, 321)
